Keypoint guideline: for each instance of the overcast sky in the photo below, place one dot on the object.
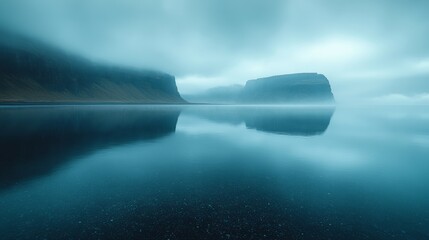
(366, 48)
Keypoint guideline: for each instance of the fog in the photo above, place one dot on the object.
(372, 50)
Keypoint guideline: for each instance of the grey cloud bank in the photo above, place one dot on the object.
(367, 49)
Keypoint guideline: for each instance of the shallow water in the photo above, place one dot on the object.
(214, 172)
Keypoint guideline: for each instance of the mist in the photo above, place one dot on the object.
(372, 50)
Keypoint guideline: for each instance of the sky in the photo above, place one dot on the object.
(368, 49)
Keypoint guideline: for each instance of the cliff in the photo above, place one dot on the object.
(31, 71)
(289, 88)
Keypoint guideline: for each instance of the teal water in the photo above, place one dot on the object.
(214, 172)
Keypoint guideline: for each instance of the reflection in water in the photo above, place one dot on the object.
(35, 140)
(304, 121)
(214, 178)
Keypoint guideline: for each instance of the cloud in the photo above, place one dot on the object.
(364, 47)
(400, 99)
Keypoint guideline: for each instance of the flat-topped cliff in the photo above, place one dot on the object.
(289, 88)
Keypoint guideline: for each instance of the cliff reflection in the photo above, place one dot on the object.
(302, 122)
(36, 140)
(305, 121)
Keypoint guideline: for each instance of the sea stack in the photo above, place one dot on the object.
(299, 88)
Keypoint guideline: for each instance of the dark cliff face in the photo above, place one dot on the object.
(290, 88)
(34, 72)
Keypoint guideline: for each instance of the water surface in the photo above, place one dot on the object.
(214, 172)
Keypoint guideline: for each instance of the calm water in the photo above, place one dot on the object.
(147, 172)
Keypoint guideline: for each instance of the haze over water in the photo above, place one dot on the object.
(214, 172)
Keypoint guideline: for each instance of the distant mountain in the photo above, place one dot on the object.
(31, 71)
(297, 88)
(224, 94)
(289, 88)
